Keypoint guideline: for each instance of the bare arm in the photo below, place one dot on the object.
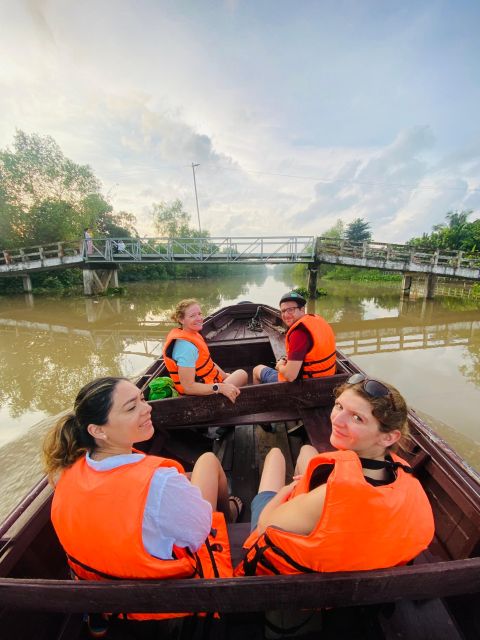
(222, 373)
(193, 388)
(289, 368)
(298, 515)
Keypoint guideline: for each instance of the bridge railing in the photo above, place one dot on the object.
(224, 249)
(41, 252)
(398, 253)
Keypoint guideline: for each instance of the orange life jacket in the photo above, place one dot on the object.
(361, 527)
(98, 519)
(205, 369)
(321, 359)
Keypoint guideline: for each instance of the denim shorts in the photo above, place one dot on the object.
(259, 502)
(268, 375)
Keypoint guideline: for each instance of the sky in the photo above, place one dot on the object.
(297, 112)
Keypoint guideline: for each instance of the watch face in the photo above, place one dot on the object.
(215, 388)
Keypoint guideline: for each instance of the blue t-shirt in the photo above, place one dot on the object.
(185, 353)
(175, 512)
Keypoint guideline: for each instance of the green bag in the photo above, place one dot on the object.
(161, 388)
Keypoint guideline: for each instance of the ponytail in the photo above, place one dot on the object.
(69, 439)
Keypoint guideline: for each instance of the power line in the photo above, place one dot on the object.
(412, 186)
(362, 182)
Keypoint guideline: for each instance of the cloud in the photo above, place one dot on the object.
(36, 9)
(395, 188)
(290, 128)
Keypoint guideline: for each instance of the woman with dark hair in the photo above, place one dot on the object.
(188, 359)
(119, 513)
(352, 509)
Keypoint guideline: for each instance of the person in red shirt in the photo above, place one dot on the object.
(301, 343)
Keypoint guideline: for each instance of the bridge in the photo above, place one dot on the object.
(100, 258)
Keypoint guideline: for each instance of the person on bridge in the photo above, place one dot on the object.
(353, 509)
(188, 358)
(120, 513)
(88, 237)
(309, 344)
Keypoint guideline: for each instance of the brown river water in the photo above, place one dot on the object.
(50, 346)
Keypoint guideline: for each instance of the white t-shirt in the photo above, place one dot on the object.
(175, 512)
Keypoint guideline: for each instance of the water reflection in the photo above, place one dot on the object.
(429, 349)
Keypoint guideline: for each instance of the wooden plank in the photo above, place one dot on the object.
(421, 620)
(237, 534)
(244, 471)
(318, 427)
(223, 449)
(242, 353)
(276, 438)
(277, 341)
(248, 593)
(253, 399)
(187, 448)
(251, 418)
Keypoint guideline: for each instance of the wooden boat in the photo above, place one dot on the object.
(436, 597)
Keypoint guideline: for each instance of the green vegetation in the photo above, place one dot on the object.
(358, 231)
(457, 234)
(356, 274)
(45, 197)
(303, 291)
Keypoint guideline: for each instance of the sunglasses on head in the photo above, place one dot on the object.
(372, 388)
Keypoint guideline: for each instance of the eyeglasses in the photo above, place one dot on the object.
(288, 310)
(372, 388)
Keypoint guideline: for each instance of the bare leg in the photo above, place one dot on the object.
(209, 476)
(239, 378)
(273, 474)
(257, 372)
(307, 452)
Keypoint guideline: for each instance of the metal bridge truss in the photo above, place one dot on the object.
(273, 249)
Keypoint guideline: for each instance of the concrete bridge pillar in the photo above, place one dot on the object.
(419, 285)
(406, 285)
(430, 284)
(97, 281)
(312, 281)
(27, 284)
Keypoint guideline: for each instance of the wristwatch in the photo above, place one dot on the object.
(215, 388)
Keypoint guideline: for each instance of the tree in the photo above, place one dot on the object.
(358, 231)
(336, 232)
(37, 170)
(45, 197)
(171, 221)
(456, 235)
(117, 225)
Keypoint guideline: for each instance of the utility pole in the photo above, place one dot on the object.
(196, 197)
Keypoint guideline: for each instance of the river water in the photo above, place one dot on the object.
(50, 346)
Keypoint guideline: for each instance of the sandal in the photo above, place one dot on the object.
(237, 512)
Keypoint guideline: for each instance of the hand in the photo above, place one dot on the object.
(287, 490)
(281, 362)
(230, 391)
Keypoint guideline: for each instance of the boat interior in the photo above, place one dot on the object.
(420, 601)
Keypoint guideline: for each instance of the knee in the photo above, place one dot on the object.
(208, 458)
(307, 449)
(243, 374)
(257, 371)
(274, 455)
